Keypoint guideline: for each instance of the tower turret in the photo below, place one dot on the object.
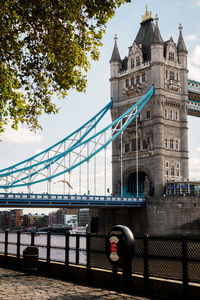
(181, 49)
(115, 66)
(157, 57)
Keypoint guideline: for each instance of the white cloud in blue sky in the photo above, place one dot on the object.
(21, 136)
(191, 37)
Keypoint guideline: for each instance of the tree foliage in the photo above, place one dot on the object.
(45, 48)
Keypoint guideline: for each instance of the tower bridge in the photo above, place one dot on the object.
(151, 100)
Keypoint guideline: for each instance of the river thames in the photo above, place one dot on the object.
(57, 246)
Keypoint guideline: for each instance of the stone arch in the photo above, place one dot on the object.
(144, 182)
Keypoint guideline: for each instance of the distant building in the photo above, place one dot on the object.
(83, 217)
(71, 220)
(15, 218)
(3, 219)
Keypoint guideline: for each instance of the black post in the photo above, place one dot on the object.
(77, 248)
(67, 249)
(184, 268)
(32, 238)
(18, 245)
(88, 240)
(48, 247)
(146, 262)
(115, 278)
(127, 270)
(6, 247)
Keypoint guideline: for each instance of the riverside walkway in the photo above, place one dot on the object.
(20, 286)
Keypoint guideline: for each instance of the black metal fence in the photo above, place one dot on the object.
(174, 258)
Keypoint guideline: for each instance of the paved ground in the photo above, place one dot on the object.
(18, 286)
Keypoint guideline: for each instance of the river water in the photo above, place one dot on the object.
(57, 240)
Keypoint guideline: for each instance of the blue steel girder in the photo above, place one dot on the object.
(22, 200)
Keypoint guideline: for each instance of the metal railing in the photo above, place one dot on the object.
(173, 258)
(48, 200)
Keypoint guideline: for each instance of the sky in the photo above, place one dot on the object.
(79, 107)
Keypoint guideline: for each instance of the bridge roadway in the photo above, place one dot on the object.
(59, 200)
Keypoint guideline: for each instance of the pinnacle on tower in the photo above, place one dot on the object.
(157, 38)
(115, 55)
(181, 44)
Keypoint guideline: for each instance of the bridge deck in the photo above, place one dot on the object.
(57, 201)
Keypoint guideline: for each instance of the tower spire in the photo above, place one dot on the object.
(115, 54)
(181, 44)
(157, 38)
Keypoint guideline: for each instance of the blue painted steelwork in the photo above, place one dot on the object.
(194, 105)
(53, 200)
(193, 86)
(99, 115)
(128, 117)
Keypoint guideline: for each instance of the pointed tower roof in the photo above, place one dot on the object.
(145, 34)
(157, 38)
(181, 44)
(115, 55)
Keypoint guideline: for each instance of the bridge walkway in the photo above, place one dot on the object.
(16, 285)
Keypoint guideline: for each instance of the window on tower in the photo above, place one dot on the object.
(143, 77)
(148, 114)
(166, 143)
(166, 74)
(171, 75)
(172, 171)
(165, 113)
(138, 79)
(171, 144)
(127, 83)
(132, 81)
(171, 56)
(137, 61)
(126, 148)
(132, 63)
(177, 145)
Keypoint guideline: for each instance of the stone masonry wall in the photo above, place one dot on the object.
(173, 216)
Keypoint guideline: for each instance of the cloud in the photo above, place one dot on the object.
(190, 37)
(194, 64)
(194, 163)
(198, 3)
(20, 136)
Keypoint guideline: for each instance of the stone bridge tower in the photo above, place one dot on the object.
(162, 132)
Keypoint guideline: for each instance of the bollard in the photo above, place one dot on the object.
(30, 259)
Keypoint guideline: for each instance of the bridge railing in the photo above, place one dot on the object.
(173, 258)
(53, 200)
